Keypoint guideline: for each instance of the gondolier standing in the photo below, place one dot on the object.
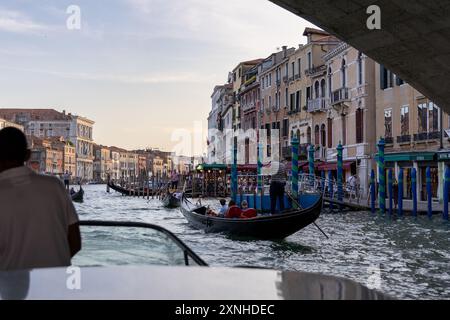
(67, 180)
(277, 185)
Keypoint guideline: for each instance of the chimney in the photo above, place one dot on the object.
(284, 51)
(64, 112)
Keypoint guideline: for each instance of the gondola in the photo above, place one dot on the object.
(271, 227)
(120, 189)
(169, 200)
(78, 196)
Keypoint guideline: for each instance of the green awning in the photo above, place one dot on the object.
(409, 156)
(444, 156)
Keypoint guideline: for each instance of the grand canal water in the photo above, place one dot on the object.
(406, 258)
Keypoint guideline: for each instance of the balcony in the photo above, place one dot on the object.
(315, 70)
(278, 83)
(388, 140)
(339, 96)
(317, 105)
(286, 152)
(297, 76)
(425, 136)
(406, 139)
(285, 79)
(291, 79)
(320, 153)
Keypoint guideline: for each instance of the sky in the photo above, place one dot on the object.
(143, 70)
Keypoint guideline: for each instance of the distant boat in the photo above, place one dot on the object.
(272, 227)
(78, 196)
(170, 200)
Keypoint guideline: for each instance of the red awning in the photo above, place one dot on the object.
(333, 166)
(300, 165)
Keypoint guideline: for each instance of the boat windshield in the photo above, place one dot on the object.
(126, 243)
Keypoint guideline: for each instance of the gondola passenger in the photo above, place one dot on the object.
(233, 211)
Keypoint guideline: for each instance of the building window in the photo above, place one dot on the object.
(323, 135)
(330, 83)
(343, 74)
(309, 60)
(428, 117)
(317, 135)
(399, 81)
(293, 105)
(359, 126)
(298, 98)
(308, 135)
(322, 88)
(299, 67)
(285, 127)
(286, 97)
(330, 132)
(386, 78)
(287, 70)
(344, 130)
(388, 123)
(270, 79)
(360, 68)
(404, 120)
(316, 89)
(293, 69)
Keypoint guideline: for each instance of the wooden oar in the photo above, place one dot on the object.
(298, 205)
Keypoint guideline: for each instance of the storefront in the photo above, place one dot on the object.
(420, 161)
(443, 158)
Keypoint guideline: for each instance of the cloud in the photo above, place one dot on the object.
(17, 22)
(156, 78)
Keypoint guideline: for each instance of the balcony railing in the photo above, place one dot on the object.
(318, 104)
(404, 139)
(320, 153)
(340, 95)
(389, 140)
(427, 136)
(297, 76)
(286, 152)
(285, 79)
(278, 83)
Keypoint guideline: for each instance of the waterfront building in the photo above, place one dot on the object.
(4, 123)
(250, 100)
(45, 158)
(307, 96)
(47, 123)
(103, 164)
(238, 78)
(350, 118)
(416, 132)
(115, 164)
(69, 154)
(274, 96)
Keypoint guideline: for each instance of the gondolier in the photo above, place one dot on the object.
(277, 185)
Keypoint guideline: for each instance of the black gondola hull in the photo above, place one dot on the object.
(171, 202)
(272, 227)
(78, 196)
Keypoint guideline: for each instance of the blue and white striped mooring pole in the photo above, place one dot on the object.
(381, 177)
(391, 191)
(311, 164)
(429, 194)
(414, 190)
(372, 191)
(400, 193)
(446, 191)
(340, 172)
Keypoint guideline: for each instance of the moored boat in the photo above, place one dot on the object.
(78, 196)
(277, 226)
(170, 200)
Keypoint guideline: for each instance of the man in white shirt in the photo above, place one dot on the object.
(38, 222)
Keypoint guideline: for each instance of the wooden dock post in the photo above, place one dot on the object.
(381, 177)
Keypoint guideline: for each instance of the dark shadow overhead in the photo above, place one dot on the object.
(414, 40)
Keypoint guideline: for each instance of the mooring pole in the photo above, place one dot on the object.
(234, 173)
(381, 177)
(391, 191)
(400, 192)
(311, 165)
(414, 190)
(429, 194)
(295, 144)
(340, 172)
(372, 191)
(330, 188)
(446, 191)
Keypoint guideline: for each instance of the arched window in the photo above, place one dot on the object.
(360, 69)
(308, 135)
(329, 82)
(359, 126)
(322, 88)
(323, 135)
(316, 89)
(317, 135)
(330, 133)
(343, 74)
